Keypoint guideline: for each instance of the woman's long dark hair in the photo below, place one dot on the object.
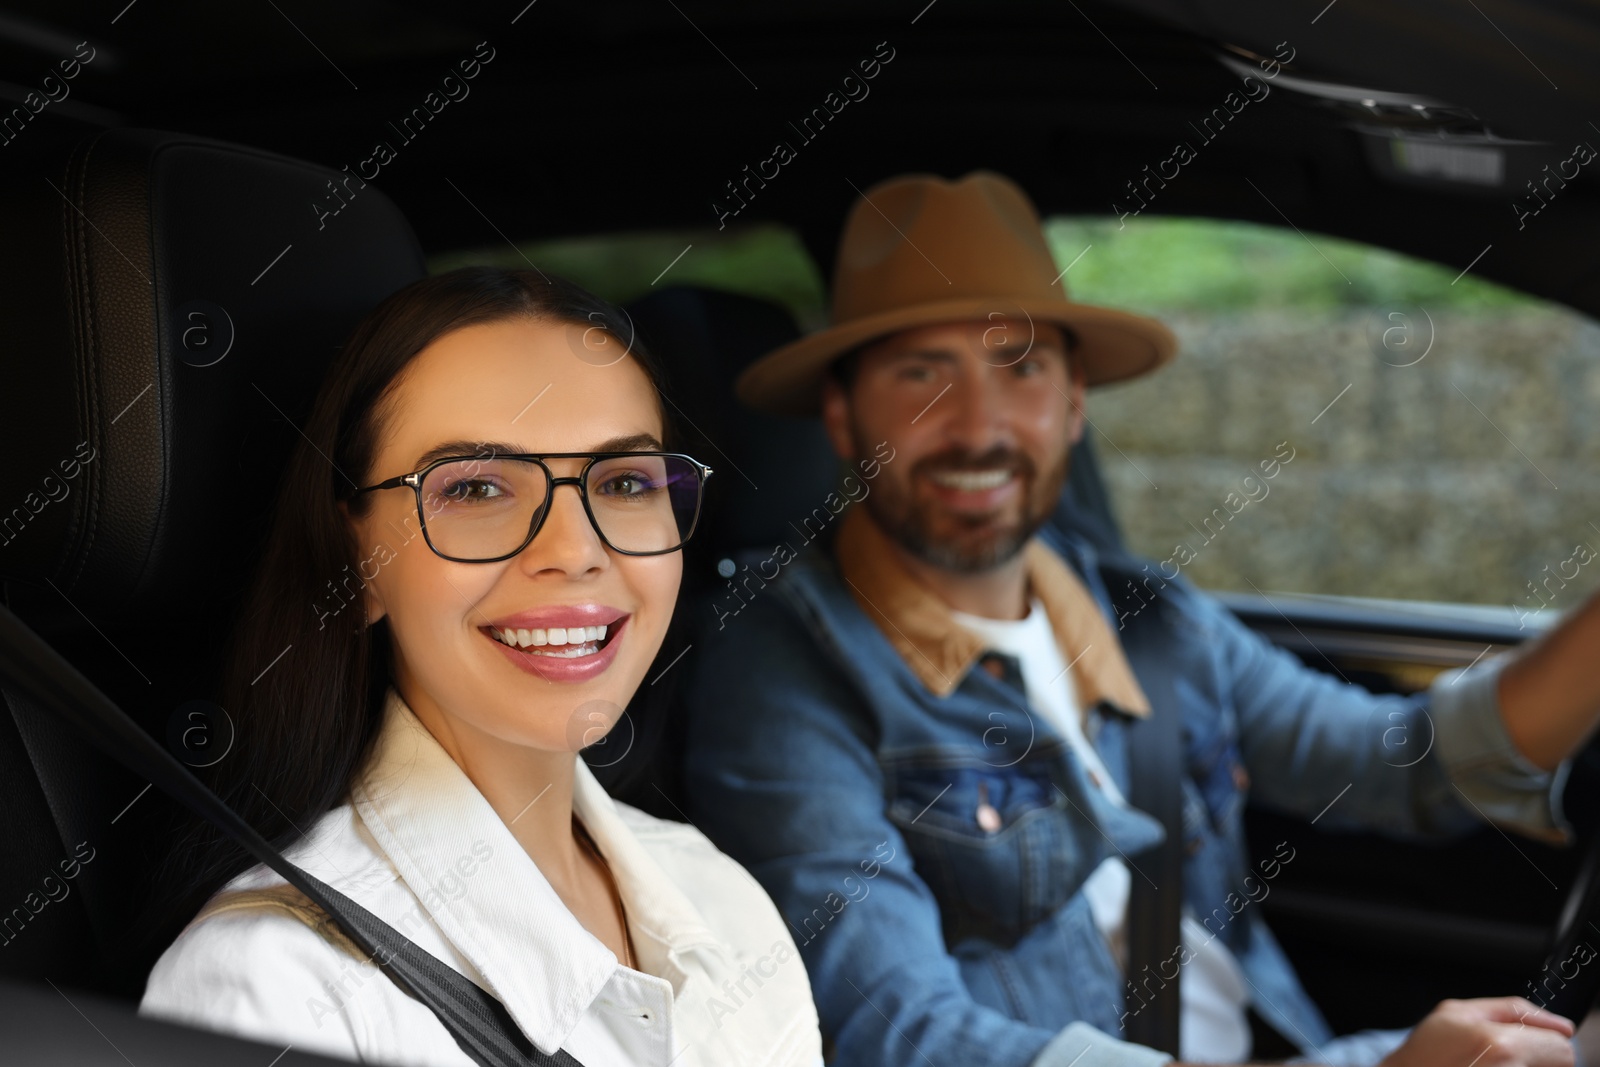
(304, 726)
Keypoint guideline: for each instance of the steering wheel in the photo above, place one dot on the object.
(1567, 984)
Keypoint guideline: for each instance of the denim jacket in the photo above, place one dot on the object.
(846, 776)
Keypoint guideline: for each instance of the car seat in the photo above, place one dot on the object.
(169, 304)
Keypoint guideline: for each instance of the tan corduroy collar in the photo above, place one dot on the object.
(940, 650)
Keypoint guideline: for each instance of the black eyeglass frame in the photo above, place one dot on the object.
(414, 481)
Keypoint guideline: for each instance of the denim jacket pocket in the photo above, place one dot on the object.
(1217, 769)
(1000, 847)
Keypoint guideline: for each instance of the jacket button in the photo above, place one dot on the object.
(993, 665)
(988, 815)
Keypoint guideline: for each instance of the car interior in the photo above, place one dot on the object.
(192, 226)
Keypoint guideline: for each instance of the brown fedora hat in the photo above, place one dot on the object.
(919, 250)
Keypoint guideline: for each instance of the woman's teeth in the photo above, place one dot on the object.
(572, 641)
(973, 481)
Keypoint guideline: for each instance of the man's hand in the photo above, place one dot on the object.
(1492, 1032)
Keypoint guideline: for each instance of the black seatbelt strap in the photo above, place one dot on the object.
(477, 1020)
(1155, 765)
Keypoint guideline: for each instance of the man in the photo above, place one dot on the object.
(918, 736)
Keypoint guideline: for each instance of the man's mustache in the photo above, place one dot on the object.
(961, 460)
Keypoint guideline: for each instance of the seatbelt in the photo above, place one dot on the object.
(1155, 765)
(477, 1020)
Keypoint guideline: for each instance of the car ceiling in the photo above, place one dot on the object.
(633, 115)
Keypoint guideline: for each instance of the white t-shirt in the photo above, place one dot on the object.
(1213, 1026)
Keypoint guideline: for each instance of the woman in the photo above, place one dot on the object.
(472, 568)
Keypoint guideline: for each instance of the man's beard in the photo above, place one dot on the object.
(915, 524)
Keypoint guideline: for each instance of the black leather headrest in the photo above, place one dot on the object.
(770, 470)
(169, 304)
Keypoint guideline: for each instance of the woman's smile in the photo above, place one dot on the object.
(572, 643)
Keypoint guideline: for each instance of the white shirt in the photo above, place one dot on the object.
(1213, 1027)
(720, 982)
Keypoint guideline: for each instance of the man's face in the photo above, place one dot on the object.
(981, 416)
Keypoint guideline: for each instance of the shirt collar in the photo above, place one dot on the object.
(664, 922)
(491, 901)
(940, 651)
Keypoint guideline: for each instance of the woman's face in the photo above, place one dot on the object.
(522, 385)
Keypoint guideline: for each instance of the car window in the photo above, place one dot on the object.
(1344, 420)
(766, 261)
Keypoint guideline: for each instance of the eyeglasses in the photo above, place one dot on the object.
(483, 509)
